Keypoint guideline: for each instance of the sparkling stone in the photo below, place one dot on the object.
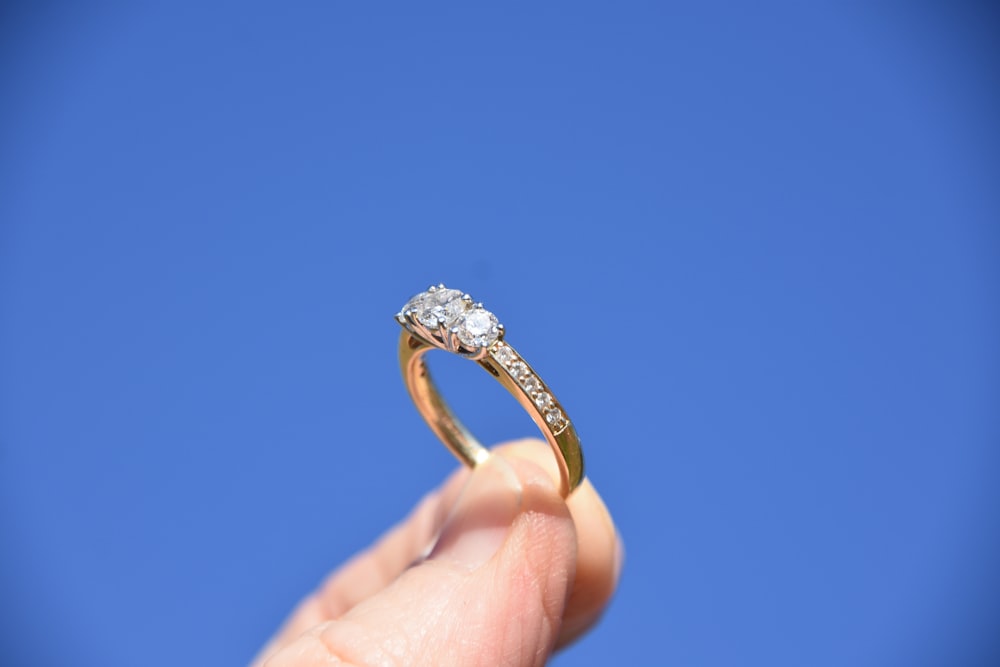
(543, 400)
(517, 369)
(531, 384)
(555, 418)
(505, 355)
(478, 327)
(445, 304)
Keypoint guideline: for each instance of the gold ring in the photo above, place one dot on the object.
(448, 319)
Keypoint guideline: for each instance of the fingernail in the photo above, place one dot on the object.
(482, 516)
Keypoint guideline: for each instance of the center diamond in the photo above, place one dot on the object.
(441, 304)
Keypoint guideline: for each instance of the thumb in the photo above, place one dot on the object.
(491, 592)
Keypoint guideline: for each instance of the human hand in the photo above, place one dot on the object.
(515, 573)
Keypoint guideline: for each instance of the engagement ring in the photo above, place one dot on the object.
(447, 319)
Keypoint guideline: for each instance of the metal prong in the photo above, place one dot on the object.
(442, 328)
(418, 329)
(467, 298)
(501, 331)
(451, 339)
(480, 353)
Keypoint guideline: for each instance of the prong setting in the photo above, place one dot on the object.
(451, 320)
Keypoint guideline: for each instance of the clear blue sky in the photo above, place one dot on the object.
(755, 251)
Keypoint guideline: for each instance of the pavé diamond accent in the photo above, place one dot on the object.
(543, 400)
(505, 355)
(517, 369)
(531, 384)
(555, 419)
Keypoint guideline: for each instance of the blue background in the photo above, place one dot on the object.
(754, 250)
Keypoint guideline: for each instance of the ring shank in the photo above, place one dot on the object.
(432, 407)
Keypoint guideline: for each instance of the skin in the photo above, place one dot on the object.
(493, 568)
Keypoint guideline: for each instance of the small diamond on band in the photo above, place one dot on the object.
(504, 354)
(517, 369)
(543, 400)
(556, 419)
(531, 384)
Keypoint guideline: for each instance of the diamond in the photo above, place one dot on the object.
(438, 304)
(517, 369)
(531, 384)
(555, 418)
(505, 355)
(478, 327)
(543, 400)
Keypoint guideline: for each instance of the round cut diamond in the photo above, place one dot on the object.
(505, 355)
(531, 384)
(517, 369)
(439, 304)
(478, 327)
(555, 418)
(543, 400)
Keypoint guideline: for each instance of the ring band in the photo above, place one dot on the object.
(447, 319)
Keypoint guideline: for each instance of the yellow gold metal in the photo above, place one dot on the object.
(537, 399)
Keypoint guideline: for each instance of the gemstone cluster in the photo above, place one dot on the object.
(448, 315)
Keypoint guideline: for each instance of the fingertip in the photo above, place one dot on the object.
(502, 571)
(600, 550)
(482, 515)
(619, 557)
